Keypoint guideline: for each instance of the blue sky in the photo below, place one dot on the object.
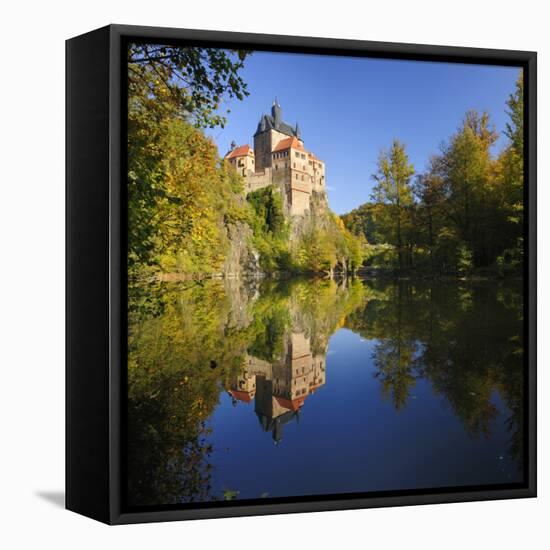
(350, 108)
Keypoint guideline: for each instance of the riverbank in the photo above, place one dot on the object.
(364, 273)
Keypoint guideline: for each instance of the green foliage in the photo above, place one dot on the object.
(182, 354)
(393, 176)
(316, 252)
(268, 206)
(270, 229)
(180, 197)
(380, 255)
(186, 207)
(511, 259)
(510, 181)
(327, 246)
(393, 190)
(172, 391)
(426, 330)
(514, 128)
(464, 261)
(193, 82)
(465, 340)
(324, 244)
(361, 221)
(270, 325)
(465, 213)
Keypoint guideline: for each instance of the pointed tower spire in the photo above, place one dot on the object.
(297, 130)
(276, 113)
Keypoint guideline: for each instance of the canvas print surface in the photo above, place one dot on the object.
(325, 289)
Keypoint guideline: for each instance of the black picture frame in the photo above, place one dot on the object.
(96, 263)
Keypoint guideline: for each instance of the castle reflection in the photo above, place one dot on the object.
(443, 363)
(279, 388)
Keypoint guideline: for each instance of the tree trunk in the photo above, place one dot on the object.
(399, 243)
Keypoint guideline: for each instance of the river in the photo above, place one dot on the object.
(308, 387)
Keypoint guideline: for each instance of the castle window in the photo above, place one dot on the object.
(297, 154)
(276, 167)
(296, 176)
(303, 156)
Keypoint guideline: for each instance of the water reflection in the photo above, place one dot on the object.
(280, 387)
(416, 369)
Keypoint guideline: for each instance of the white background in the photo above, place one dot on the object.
(32, 272)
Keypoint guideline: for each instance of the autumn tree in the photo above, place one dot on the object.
(393, 187)
(428, 189)
(510, 177)
(192, 81)
(173, 92)
(465, 165)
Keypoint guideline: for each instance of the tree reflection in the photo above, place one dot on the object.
(267, 343)
(466, 340)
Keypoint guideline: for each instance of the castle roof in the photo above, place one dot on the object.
(293, 404)
(243, 396)
(287, 143)
(274, 122)
(241, 151)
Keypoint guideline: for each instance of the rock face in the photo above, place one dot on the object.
(317, 215)
(242, 259)
(240, 293)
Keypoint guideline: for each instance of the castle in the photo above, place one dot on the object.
(280, 159)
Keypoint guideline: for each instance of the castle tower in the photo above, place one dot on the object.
(276, 114)
(242, 158)
(271, 130)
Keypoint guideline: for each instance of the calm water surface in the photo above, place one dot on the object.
(311, 387)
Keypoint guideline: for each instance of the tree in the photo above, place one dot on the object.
(514, 128)
(193, 81)
(466, 167)
(429, 191)
(360, 221)
(175, 187)
(464, 213)
(393, 187)
(317, 251)
(510, 178)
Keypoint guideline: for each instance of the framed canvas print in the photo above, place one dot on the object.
(301, 274)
